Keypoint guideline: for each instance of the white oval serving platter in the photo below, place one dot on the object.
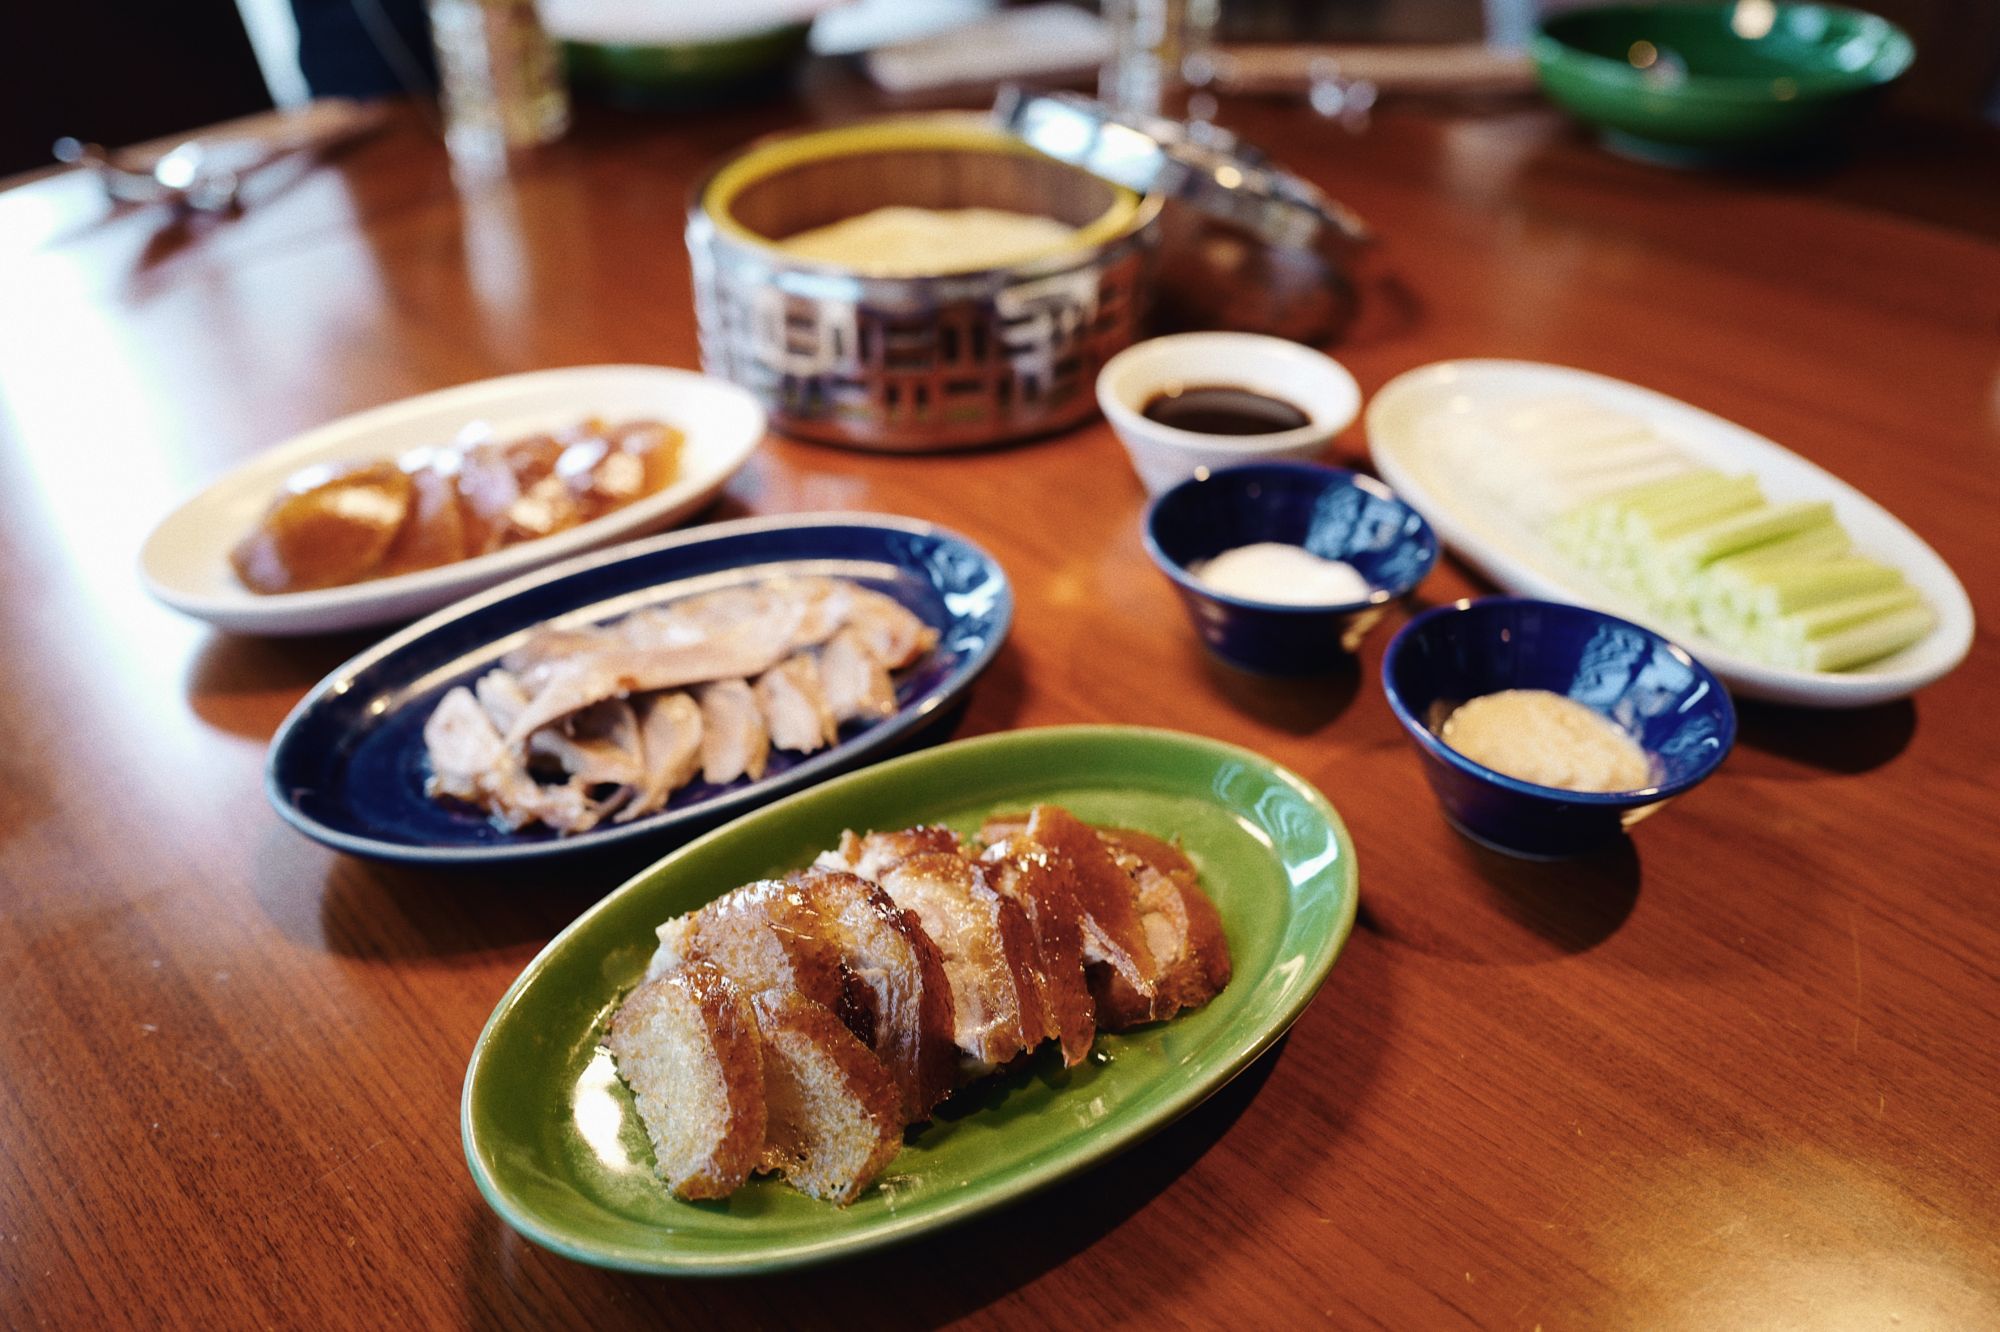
(1403, 423)
(185, 562)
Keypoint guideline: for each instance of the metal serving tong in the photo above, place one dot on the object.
(206, 173)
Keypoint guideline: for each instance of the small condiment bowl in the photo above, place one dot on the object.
(1665, 699)
(1331, 512)
(1162, 455)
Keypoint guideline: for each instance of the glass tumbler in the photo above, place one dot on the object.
(1160, 54)
(500, 81)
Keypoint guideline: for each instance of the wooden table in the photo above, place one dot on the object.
(1743, 1073)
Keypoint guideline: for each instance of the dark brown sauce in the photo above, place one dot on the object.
(1223, 409)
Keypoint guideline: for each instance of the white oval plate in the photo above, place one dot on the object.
(185, 562)
(1402, 440)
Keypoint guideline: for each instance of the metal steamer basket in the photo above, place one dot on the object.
(915, 364)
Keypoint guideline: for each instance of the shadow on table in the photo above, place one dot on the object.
(380, 911)
(993, 703)
(1298, 705)
(925, 1283)
(1853, 741)
(1330, 1069)
(1018, 1244)
(245, 685)
(1509, 912)
(1389, 310)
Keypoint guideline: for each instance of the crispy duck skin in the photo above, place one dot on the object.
(1043, 885)
(841, 942)
(1182, 926)
(763, 936)
(865, 994)
(902, 980)
(1117, 958)
(988, 949)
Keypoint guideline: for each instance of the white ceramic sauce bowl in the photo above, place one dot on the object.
(1164, 455)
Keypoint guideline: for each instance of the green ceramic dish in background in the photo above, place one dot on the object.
(679, 74)
(1710, 81)
(557, 1148)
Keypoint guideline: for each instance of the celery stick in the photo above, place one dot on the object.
(1821, 621)
(1780, 589)
(1573, 490)
(1866, 641)
(1589, 526)
(1658, 523)
(1815, 543)
(1676, 489)
(1734, 578)
(1744, 531)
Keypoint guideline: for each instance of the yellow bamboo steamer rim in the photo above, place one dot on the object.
(966, 132)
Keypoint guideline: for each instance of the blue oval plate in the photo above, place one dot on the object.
(347, 768)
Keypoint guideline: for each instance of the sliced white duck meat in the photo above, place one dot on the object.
(598, 745)
(656, 626)
(704, 614)
(749, 649)
(814, 607)
(892, 634)
(548, 647)
(734, 740)
(470, 761)
(857, 685)
(794, 705)
(501, 694)
(825, 606)
(464, 747)
(670, 725)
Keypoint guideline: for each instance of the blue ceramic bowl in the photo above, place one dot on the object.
(1332, 512)
(1668, 701)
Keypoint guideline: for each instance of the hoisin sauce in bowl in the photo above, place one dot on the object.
(1223, 409)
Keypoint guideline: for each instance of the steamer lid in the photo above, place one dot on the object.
(1197, 163)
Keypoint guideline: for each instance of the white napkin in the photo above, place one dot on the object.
(1033, 42)
(670, 22)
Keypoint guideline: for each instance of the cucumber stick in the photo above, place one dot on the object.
(1778, 582)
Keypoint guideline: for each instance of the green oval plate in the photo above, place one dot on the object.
(557, 1147)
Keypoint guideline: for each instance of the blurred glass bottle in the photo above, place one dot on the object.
(1160, 55)
(500, 81)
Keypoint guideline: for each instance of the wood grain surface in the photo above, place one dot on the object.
(1744, 1072)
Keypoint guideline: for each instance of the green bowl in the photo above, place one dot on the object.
(683, 73)
(1708, 81)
